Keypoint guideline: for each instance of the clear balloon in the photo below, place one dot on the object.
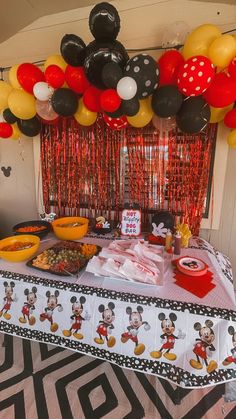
(164, 124)
(45, 110)
(42, 91)
(175, 34)
(126, 88)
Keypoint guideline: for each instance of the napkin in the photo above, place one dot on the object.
(197, 285)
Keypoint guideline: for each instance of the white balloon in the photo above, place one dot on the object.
(126, 88)
(42, 91)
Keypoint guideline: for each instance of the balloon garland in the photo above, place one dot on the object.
(196, 86)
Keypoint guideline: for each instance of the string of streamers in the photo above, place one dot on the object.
(94, 171)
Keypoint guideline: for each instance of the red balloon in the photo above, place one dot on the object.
(232, 68)
(76, 79)
(28, 75)
(6, 130)
(222, 91)
(110, 100)
(230, 118)
(91, 99)
(54, 76)
(169, 64)
(195, 76)
(116, 123)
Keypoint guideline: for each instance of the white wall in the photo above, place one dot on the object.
(143, 23)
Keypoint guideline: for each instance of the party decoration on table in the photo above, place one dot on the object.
(231, 358)
(162, 221)
(102, 226)
(185, 233)
(204, 347)
(135, 322)
(106, 325)
(8, 299)
(168, 338)
(191, 266)
(77, 311)
(177, 243)
(52, 304)
(48, 217)
(29, 307)
(131, 222)
(6, 171)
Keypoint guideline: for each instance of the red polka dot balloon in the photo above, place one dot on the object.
(116, 123)
(195, 76)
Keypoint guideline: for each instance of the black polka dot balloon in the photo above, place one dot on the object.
(145, 71)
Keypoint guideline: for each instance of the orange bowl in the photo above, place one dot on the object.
(64, 230)
(19, 255)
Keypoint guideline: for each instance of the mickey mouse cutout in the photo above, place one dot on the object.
(168, 337)
(8, 300)
(231, 358)
(29, 306)
(77, 319)
(106, 325)
(203, 348)
(52, 304)
(135, 322)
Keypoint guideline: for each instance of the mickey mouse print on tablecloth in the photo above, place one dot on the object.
(106, 325)
(52, 304)
(231, 358)
(168, 337)
(29, 306)
(135, 322)
(204, 347)
(8, 300)
(77, 318)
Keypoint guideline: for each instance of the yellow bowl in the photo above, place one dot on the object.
(70, 233)
(19, 255)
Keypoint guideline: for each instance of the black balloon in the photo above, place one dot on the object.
(9, 116)
(145, 71)
(111, 74)
(64, 102)
(166, 101)
(194, 115)
(73, 50)
(104, 22)
(117, 114)
(98, 54)
(130, 107)
(29, 127)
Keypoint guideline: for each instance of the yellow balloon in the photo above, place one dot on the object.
(16, 132)
(222, 50)
(218, 114)
(84, 116)
(199, 40)
(144, 115)
(22, 104)
(5, 90)
(231, 140)
(12, 75)
(55, 60)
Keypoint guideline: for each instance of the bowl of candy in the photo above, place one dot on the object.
(70, 228)
(35, 227)
(19, 248)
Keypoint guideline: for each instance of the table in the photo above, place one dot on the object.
(164, 331)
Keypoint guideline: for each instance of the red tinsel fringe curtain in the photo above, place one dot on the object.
(94, 171)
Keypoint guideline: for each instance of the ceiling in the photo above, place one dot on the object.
(17, 14)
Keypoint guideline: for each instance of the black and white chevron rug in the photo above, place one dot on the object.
(39, 381)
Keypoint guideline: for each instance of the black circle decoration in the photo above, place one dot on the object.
(73, 50)
(64, 102)
(9, 116)
(104, 22)
(166, 101)
(194, 115)
(164, 219)
(111, 74)
(130, 107)
(116, 114)
(29, 127)
(98, 54)
(145, 71)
